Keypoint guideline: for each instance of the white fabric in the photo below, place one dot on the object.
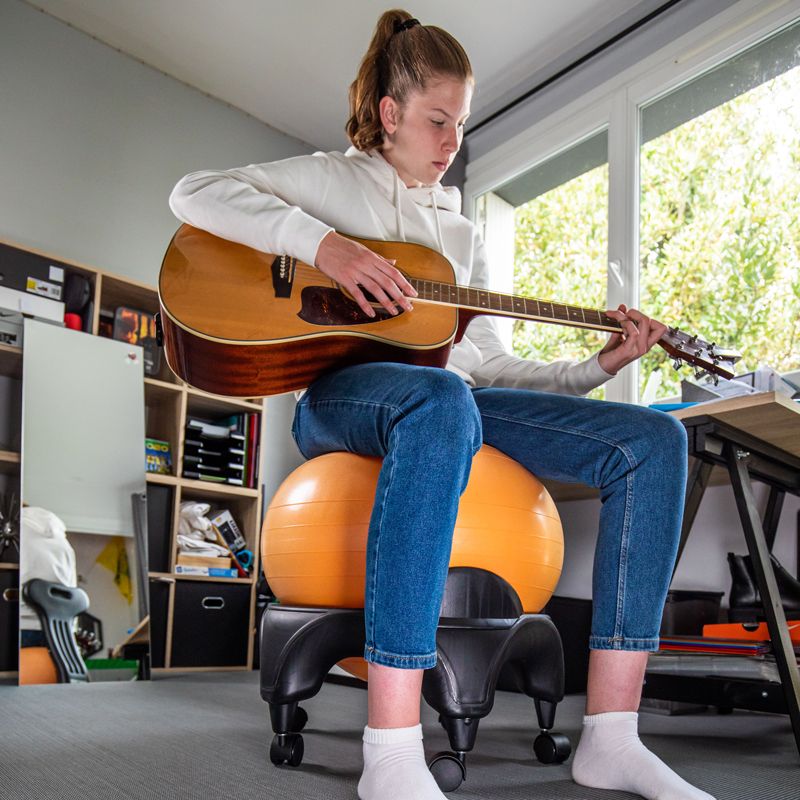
(610, 755)
(45, 553)
(394, 766)
(289, 206)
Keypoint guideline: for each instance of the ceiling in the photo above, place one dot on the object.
(290, 64)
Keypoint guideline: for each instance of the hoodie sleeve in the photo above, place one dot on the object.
(259, 205)
(500, 368)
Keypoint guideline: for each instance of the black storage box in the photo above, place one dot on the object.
(159, 605)
(210, 624)
(9, 621)
(686, 611)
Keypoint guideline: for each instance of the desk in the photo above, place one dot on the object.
(757, 436)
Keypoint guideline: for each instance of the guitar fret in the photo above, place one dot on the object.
(575, 314)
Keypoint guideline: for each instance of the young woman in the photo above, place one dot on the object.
(409, 104)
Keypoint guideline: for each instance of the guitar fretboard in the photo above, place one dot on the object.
(511, 305)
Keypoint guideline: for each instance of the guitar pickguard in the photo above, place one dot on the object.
(324, 305)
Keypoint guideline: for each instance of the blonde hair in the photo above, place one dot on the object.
(402, 57)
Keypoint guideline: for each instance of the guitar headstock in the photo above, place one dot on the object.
(707, 358)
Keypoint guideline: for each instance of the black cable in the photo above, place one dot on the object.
(574, 65)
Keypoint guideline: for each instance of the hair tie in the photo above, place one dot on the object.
(399, 27)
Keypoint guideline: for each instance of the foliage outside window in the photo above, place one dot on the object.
(561, 250)
(720, 241)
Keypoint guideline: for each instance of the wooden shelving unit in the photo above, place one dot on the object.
(168, 403)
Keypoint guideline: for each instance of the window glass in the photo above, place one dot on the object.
(560, 224)
(720, 201)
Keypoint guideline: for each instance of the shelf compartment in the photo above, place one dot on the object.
(203, 403)
(9, 462)
(10, 361)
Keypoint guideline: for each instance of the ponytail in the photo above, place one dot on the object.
(402, 57)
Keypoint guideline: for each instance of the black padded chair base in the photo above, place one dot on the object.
(300, 645)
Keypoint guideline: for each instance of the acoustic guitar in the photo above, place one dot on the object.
(236, 321)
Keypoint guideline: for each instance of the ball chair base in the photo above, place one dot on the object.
(299, 646)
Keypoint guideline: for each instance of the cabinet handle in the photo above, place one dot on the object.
(213, 603)
(11, 595)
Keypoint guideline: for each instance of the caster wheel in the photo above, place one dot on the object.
(300, 719)
(290, 752)
(447, 771)
(552, 748)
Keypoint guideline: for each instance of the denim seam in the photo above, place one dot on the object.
(371, 403)
(378, 529)
(623, 643)
(622, 574)
(397, 658)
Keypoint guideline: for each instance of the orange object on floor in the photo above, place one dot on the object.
(36, 666)
(738, 630)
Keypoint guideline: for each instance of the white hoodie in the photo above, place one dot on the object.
(288, 206)
(45, 552)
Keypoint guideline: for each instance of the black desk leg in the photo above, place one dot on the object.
(765, 577)
(772, 515)
(695, 489)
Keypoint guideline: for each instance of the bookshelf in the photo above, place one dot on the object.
(178, 638)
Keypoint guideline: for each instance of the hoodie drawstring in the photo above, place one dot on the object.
(401, 231)
(438, 224)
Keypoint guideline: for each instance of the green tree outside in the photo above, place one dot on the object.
(720, 241)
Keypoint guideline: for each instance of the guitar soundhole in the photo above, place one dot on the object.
(324, 305)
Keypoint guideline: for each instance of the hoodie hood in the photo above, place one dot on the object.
(436, 196)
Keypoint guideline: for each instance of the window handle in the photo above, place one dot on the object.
(615, 268)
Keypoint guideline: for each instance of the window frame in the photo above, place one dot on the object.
(616, 105)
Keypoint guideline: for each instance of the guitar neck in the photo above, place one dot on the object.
(482, 301)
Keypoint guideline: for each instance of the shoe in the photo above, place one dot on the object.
(745, 599)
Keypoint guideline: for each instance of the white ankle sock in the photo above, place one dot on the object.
(394, 766)
(610, 755)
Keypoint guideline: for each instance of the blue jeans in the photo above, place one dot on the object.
(427, 424)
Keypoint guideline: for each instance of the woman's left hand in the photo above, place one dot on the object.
(639, 334)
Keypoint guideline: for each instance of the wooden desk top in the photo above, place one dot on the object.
(768, 416)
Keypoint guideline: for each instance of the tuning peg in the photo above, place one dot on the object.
(676, 363)
(699, 374)
(716, 380)
(693, 339)
(673, 331)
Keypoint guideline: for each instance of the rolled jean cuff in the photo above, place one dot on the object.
(375, 656)
(649, 645)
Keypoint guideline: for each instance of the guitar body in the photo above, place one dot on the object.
(240, 322)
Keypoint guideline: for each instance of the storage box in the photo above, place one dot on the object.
(204, 561)
(210, 624)
(686, 611)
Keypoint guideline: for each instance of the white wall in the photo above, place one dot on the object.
(92, 142)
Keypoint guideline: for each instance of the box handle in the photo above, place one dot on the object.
(213, 603)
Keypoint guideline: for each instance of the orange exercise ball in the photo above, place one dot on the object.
(314, 537)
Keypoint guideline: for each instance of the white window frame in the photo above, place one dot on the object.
(616, 105)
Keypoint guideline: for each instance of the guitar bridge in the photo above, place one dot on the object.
(283, 268)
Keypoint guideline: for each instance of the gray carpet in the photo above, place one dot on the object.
(206, 736)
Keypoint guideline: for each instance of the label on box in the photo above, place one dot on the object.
(56, 273)
(44, 288)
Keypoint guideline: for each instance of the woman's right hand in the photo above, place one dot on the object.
(356, 267)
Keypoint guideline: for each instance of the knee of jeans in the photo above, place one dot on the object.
(446, 400)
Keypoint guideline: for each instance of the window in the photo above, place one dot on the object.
(558, 215)
(691, 190)
(720, 200)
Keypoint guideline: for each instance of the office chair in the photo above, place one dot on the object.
(505, 562)
(57, 606)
